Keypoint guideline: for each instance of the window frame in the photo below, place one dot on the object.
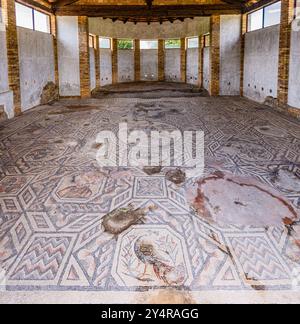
(187, 42)
(205, 37)
(93, 37)
(263, 8)
(33, 10)
(148, 40)
(107, 38)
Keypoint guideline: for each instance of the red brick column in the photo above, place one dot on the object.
(287, 15)
(183, 59)
(84, 56)
(54, 34)
(9, 18)
(114, 61)
(215, 55)
(137, 60)
(161, 60)
(243, 35)
(97, 62)
(201, 51)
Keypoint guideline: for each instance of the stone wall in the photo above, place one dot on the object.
(125, 65)
(36, 57)
(261, 63)
(149, 65)
(172, 65)
(294, 80)
(230, 55)
(105, 67)
(68, 56)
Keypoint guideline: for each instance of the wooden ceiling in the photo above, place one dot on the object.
(146, 11)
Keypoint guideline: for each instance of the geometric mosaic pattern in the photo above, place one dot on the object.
(53, 197)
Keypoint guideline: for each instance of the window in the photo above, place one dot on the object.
(149, 44)
(272, 14)
(206, 40)
(255, 20)
(193, 42)
(30, 18)
(104, 43)
(24, 16)
(172, 43)
(265, 17)
(125, 44)
(41, 22)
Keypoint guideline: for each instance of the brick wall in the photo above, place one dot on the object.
(114, 61)
(161, 60)
(137, 60)
(9, 19)
(183, 59)
(54, 34)
(84, 56)
(201, 48)
(97, 62)
(215, 55)
(243, 33)
(287, 15)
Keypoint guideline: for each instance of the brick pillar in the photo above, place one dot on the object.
(97, 62)
(201, 51)
(54, 34)
(287, 15)
(9, 19)
(114, 61)
(137, 60)
(84, 57)
(215, 55)
(183, 59)
(243, 35)
(161, 60)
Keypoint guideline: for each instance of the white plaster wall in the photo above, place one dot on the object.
(206, 68)
(190, 27)
(261, 63)
(230, 51)
(294, 82)
(125, 65)
(105, 67)
(68, 56)
(149, 65)
(172, 65)
(192, 66)
(92, 69)
(6, 96)
(36, 55)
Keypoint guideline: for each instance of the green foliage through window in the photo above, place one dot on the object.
(126, 44)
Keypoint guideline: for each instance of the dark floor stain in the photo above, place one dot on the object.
(176, 176)
(240, 204)
(96, 146)
(257, 286)
(119, 220)
(152, 170)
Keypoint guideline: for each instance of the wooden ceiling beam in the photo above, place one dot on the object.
(253, 5)
(183, 11)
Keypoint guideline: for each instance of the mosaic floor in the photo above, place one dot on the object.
(72, 231)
